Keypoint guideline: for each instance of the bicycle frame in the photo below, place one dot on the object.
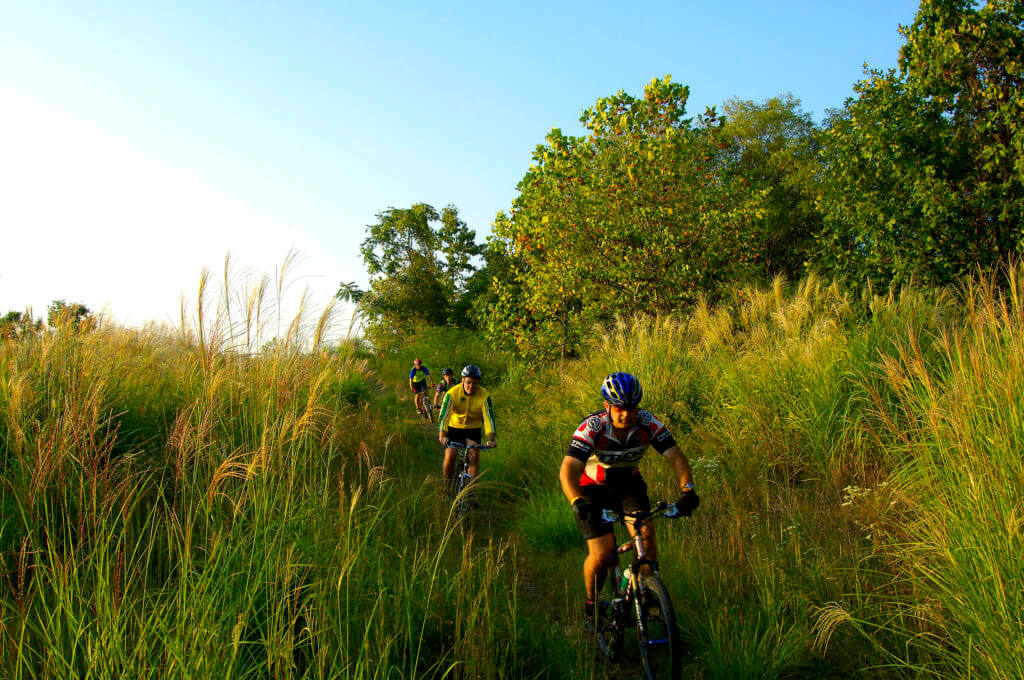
(636, 542)
(626, 598)
(462, 476)
(462, 479)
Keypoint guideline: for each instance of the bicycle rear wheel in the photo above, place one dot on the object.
(656, 630)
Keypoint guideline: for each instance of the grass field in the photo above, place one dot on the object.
(174, 507)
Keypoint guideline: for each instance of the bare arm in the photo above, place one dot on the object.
(680, 465)
(569, 476)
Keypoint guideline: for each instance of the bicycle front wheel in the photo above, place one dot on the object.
(463, 496)
(656, 630)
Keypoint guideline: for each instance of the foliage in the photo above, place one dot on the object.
(15, 324)
(858, 460)
(175, 509)
(444, 346)
(775, 147)
(643, 213)
(924, 176)
(349, 292)
(418, 272)
(65, 313)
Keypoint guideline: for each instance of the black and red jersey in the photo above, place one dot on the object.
(609, 460)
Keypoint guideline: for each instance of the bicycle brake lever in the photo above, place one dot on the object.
(672, 512)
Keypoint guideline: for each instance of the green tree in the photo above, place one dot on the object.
(419, 261)
(16, 324)
(775, 146)
(61, 313)
(349, 292)
(642, 214)
(924, 173)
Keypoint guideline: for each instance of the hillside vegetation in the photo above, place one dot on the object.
(860, 463)
(216, 502)
(176, 510)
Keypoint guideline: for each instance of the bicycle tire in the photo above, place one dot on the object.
(430, 412)
(462, 497)
(656, 632)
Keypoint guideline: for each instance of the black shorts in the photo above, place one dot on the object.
(457, 434)
(629, 495)
(419, 386)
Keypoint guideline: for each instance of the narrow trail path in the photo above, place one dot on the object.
(543, 594)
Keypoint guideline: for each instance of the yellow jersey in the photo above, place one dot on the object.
(466, 411)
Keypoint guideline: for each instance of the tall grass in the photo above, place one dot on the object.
(246, 497)
(176, 506)
(859, 458)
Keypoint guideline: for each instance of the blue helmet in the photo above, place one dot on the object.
(622, 389)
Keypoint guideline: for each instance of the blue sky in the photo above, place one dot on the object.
(142, 141)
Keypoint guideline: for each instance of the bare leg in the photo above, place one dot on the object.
(600, 556)
(448, 468)
(474, 460)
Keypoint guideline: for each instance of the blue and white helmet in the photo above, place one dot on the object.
(622, 389)
(471, 371)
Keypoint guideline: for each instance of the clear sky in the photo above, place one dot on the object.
(142, 141)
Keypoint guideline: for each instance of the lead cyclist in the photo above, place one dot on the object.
(600, 472)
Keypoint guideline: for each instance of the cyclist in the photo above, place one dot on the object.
(447, 382)
(418, 378)
(600, 472)
(465, 409)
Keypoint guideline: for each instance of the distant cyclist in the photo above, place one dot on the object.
(419, 376)
(465, 411)
(600, 472)
(447, 382)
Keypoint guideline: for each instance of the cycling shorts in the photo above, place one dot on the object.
(460, 435)
(419, 386)
(629, 495)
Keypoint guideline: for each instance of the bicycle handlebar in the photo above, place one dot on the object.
(660, 509)
(458, 445)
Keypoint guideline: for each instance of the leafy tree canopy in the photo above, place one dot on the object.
(61, 313)
(419, 261)
(775, 145)
(925, 167)
(643, 214)
(15, 324)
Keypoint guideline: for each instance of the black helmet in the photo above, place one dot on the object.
(447, 371)
(472, 371)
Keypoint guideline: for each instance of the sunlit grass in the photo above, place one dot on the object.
(250, 496)
(178, 505)
(859, 460)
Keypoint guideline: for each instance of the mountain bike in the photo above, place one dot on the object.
(426, 409)
(642, 602)
(462, 478)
